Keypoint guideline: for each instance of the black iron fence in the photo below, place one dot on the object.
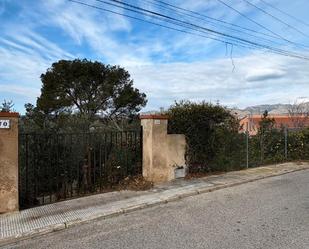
(55, 167)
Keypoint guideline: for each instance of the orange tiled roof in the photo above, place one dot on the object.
(279, 119)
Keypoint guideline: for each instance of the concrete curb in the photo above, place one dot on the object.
(131, 208)
(32, 234)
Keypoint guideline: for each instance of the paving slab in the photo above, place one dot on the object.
(53, 217)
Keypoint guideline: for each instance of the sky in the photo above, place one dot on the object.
(165, 64)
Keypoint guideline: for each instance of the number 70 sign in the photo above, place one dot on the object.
(4, 124)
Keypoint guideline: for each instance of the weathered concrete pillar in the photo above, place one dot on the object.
(162, 153)
(8, 162)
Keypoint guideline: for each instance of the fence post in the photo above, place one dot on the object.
(247, 149)
(8, 162)
(262, 146)
(285, 143)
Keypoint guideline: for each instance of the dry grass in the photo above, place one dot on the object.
(135, 183)
(201, 175)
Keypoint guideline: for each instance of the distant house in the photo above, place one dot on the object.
(251, 123)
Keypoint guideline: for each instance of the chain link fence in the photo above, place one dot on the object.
(241, 150)
(275, 146)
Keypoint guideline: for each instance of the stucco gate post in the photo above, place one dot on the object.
(162, 153)
(8, 162)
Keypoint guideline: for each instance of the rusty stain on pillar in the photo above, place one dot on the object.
(8, 162)
(162, 152)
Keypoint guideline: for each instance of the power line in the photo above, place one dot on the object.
(150, 22)
(260, 25)
(242, 41)
(230, 41)
(205, 17)
(182, 11)
(145, 11)
(238, 42)
(173, 21)
(184, 22)
(274, 17)
(285, 13)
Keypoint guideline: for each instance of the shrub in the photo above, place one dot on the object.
(214, 143)
(212, 135)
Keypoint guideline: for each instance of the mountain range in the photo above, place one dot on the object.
(275, 109)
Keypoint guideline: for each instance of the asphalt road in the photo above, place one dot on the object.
(270, 213)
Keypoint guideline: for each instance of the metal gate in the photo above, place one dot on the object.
(55, 167)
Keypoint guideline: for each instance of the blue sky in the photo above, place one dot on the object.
(165, 64)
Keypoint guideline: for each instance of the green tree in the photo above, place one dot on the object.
(36, 120)
(266, 123)
(271, 140)
(90, 89)
(6, 106)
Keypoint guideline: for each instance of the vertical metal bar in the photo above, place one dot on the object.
(43, 172)
(126, 149)
(57, 163)
(85, 169)
(35, 175)
(70, 165)
(109, 170)
(262, 148)
(285, 143)
(135, 151)
(131, 151)
(100, 161)
(105, 159)
(94, 147)
(247, 149)
(141, 148)
(65, 164)
(116, 153)
(89, 173)
(122, 157)
(51, 172)
(78, 168)
(27, 169)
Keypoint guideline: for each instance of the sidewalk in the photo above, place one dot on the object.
(58, 216)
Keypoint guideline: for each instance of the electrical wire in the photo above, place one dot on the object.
(285, 13)
(205, 17)
(229, 39)
(209, 21)
(274, 17)
(260, 25)
(183, 22)
(238, 42)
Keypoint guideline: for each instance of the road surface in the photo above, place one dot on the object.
(269, 213)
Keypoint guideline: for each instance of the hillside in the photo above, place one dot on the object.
(275, 109)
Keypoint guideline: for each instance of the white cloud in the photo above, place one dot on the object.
(214, 80)
(85, 25)
(166, 65)
(31, 93)
(264, 74)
